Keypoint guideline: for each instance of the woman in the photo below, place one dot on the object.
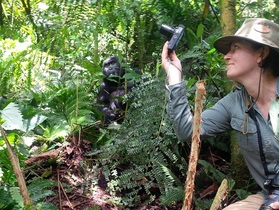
(252, 57)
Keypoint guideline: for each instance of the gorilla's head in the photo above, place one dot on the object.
(111, 66)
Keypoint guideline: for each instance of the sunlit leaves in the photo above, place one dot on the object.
(13, 117)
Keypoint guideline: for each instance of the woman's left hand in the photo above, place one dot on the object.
(275, 205)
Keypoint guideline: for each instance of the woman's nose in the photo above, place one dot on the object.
(228, 55)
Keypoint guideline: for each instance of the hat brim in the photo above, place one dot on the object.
(223, 44)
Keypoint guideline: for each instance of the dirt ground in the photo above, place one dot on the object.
(74, 175)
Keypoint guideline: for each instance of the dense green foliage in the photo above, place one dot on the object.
(143, 149)
(50, 71)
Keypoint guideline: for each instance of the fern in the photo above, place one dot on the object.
(171, 176)
(6, 202)
(172, 196)
(46, 206)
(7, 169)
(146, 157)
(10, 197)
(42, 186)
(93, 208)
(203, 203)
(16, 196)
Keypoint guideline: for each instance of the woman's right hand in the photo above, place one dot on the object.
(172, 65)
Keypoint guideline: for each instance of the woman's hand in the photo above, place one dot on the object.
(275, 205)
(172, 65)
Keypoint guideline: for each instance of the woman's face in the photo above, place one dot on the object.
(242, 61)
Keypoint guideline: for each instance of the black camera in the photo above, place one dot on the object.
(174, 34)
(272, 185)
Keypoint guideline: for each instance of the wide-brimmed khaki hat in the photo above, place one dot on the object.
(257, 30)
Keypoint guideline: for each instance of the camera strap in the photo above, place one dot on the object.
(251, 112)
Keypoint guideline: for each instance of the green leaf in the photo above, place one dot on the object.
(191, 37)
(213, 50)
(30, 124)
(200, 30)
(242, 194)
(131, 75)
(13, 117)
(113, 78)
(274, 115)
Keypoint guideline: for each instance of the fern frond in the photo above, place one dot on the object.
(5, 199)
(46, 206)
(172, 196)
(42, 186)
(42, 195)
(171, 176)
(144, 149)
(16, 196)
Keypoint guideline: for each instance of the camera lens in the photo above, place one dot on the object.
(166, 30)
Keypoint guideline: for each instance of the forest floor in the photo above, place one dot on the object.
(75, 189)
(81, 185)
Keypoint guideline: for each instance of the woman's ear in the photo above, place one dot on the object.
(264, 52)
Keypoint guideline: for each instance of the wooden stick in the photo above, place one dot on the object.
(70, 205)
(17, 170)
(195, 147)
(220, 195)
(59, 189)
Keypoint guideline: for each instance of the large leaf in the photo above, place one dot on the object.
(274, 115)
(30, 124)
(13, 117)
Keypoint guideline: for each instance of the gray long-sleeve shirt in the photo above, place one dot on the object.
(228, 114)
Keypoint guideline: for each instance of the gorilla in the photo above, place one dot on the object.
(112, 90)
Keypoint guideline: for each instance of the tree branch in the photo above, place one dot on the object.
(195, 147)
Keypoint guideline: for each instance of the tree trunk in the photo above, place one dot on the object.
(238, 166)
(1, 13)
(228, 16)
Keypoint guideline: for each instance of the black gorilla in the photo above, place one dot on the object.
(112, 90)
